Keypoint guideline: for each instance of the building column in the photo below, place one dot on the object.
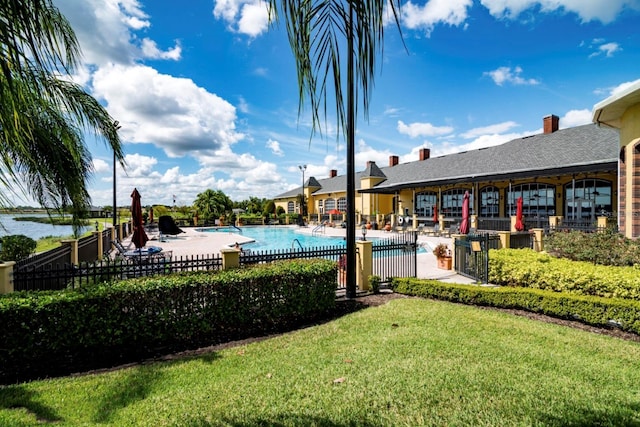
(364, 269)
(230, 258)
(6, 277)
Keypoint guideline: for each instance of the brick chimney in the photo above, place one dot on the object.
(393, 160)
(550, 123)
(425, 153)
(333, 173)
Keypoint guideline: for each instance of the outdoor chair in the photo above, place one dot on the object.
(167, 226)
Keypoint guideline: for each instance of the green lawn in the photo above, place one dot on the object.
(410, 362)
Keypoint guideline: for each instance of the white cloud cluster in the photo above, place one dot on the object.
(415, 130)
(504, 75)
(603, 11)
(434, 12)
(172, 113)
(249, 17)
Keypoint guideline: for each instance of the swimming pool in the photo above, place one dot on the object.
(278, 238)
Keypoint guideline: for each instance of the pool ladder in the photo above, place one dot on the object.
(318, 228)
(294, 243)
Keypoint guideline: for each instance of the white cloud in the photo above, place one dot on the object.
(150, 50)
(100, 166)
(248, 17)
(172, 113)
(104, 29)
(622, 87)
(603, 48)
(575, 118)
(433, 12)
(415, 130)
(491, 129)
(274, 146)
(603, 11)
(504, 75)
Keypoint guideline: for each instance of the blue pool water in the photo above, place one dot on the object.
(276, 238)
(279, 238)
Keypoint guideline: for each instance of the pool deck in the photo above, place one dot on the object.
(193, 242)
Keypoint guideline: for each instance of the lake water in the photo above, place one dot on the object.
(35, 230)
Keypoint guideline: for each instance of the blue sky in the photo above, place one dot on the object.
(207, 97)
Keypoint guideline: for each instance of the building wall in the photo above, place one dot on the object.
(629, 182)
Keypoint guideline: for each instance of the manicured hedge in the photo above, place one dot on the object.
(607, 312)
(53, 333)
(526, 268)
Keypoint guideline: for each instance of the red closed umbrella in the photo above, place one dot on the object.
(519, 223)
(464, 225)
(435, 213)
(139, 237)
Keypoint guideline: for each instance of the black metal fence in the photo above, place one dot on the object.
(521, 240)
(58, 276)
(472, 255)
(395, 256)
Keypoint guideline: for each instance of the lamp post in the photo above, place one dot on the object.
(303, 168)
(364, 232)
(116, 125)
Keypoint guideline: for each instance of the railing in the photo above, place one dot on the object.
(472, 255)
(494, 224)
(57, 276)
(392, 257)
(318, 228)
(521, 240)
(395, 256)
(61, 255)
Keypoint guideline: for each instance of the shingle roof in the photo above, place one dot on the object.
(581, 148)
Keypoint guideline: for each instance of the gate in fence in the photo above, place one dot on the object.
(395, 256)
(472, 255)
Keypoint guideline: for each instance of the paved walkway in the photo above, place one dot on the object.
(194, 242)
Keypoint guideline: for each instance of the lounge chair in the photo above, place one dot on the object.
(167, 226)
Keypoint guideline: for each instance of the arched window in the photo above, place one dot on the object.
(342, 204)
(538, 200)
(329, 204)
(489, 202)
(452, 202)
(425, 203)
(588, 198)
(291, 207)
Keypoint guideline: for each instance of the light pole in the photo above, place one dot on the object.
(302, 168)
(116, 125)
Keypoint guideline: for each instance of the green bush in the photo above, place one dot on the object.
(51, 333)
(526, 268)
(16, 247)
(606, 248)
(597, 311)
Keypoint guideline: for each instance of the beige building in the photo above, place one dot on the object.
(568, 174)
(622, 112)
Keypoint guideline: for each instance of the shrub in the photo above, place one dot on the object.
(374, 283)
(526, 268)
(16, 247)
(606, 248)
(603, 312)
(56, 332)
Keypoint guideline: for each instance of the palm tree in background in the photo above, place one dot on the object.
(43, 115)
(212, 204)
(316, 30)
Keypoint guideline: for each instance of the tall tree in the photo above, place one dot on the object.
(316, 29)
(212, 204)
(43, 115)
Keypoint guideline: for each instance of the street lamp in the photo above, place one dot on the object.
(116, 125)
(302, 168)
(364, 232)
